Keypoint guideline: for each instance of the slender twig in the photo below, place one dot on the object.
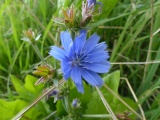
(135, 63)
(111, 27)
(21, 113)
(96, 116)
(53, 113)
(106, 104)
(156, 32)
(122, 101)
(153, 51)
(134, 96)
(3, 78)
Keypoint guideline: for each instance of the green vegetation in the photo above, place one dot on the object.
(131, 29)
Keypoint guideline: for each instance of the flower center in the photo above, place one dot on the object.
(76, 62)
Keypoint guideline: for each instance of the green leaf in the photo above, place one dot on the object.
(18, 85)
(28, 89)
(33, 114)
(28, 92)
(60, 109)
(9, 109)
(111, 80)
(29, 85)
(84, 98)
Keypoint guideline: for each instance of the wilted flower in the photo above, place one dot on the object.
(82, 58)
(69, 15)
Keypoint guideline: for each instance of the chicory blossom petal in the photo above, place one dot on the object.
(82, 59)
(94, 2)
(90, 2)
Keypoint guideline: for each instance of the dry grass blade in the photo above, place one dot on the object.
(135, 63)
(96, 116)
(111, 27)
(106, 104)
(123, 102)
(140, 107)
(156, 32)
(50, 115)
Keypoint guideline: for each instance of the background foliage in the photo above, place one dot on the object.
(127, 26)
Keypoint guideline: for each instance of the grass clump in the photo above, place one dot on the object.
(130, 29)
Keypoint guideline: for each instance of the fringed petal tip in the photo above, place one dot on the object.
(57, 52)
(80, 88)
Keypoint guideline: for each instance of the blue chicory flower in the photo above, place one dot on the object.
(82, 58)
(90, 2)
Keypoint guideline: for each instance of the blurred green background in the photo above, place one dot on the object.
(129, 27)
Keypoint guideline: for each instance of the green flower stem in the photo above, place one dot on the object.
(67, 104)
(38, 52)
(73, 34)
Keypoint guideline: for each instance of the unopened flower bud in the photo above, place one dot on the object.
(76, 103)
(46, 73)
(29, 36)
